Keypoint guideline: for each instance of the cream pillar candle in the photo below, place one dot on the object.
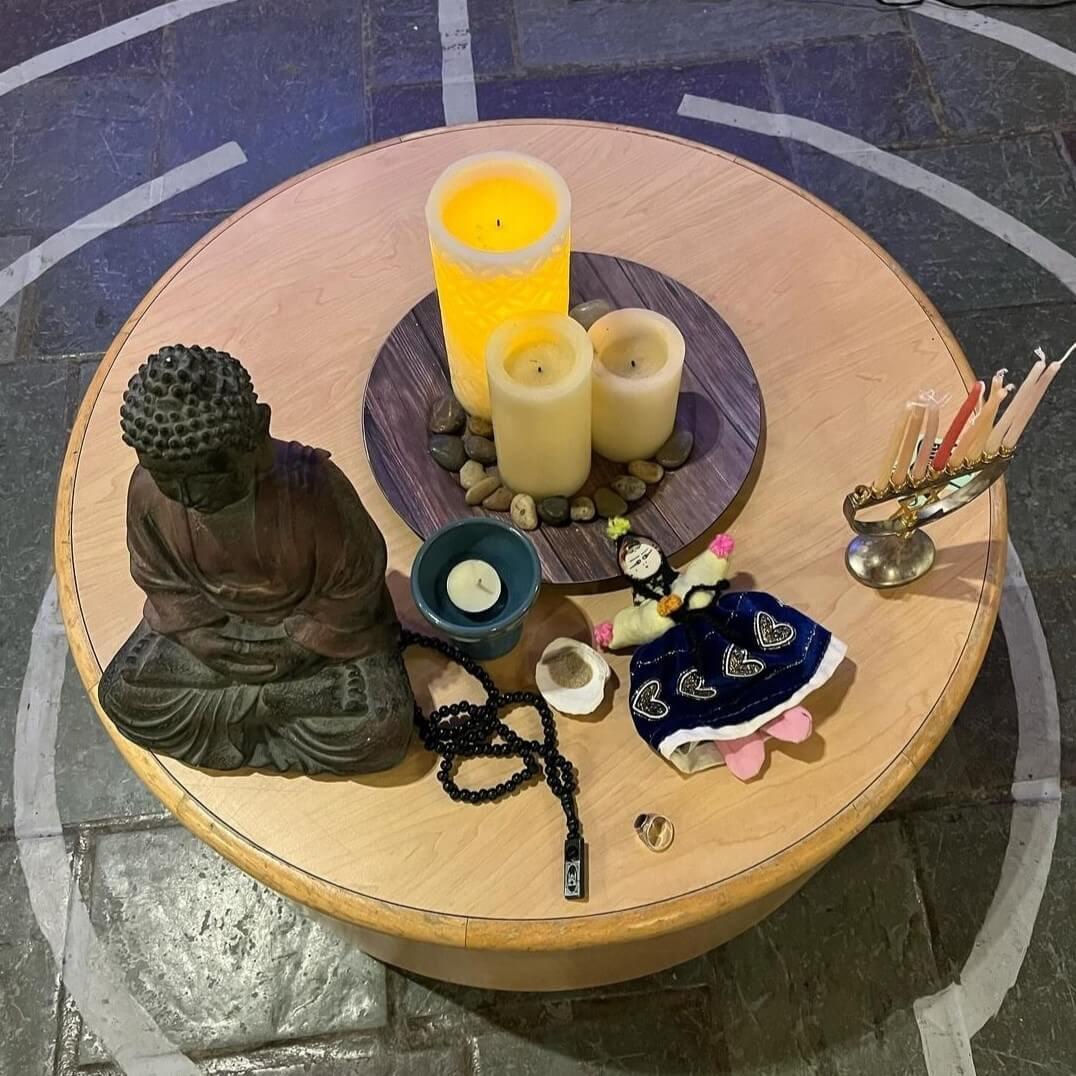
(538, 368)
(499, 237)
(638, 362)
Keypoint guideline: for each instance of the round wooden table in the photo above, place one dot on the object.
(303, 285)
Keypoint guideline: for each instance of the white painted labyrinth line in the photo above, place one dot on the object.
(948, 1019)
(72, 51)
(33, 263)
(457, 67)
(1042, 48)
(127, 1030)
(897, 170)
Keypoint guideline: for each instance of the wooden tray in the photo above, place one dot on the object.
(720, 403)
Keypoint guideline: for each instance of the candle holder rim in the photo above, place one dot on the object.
(465, 251)
(511, 616)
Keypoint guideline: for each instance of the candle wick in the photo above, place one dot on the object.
(498, 222)
(539, 368)
(633, 362)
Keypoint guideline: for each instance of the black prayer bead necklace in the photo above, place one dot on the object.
(467, 730)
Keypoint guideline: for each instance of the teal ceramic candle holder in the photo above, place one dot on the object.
(512, 556)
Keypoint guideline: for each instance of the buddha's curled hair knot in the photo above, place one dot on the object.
(186, 401)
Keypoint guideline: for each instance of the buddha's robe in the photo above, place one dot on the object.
(299, 557)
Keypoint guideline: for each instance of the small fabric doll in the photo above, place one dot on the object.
(715, 673)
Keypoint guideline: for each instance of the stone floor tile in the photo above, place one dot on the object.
(73, 144)
(553, 33)
(29, 980)
(961, 854)
(987, 86)
(294, 100)
(403, 41)
(961, 266)
(1041, 481)
(661, 1033)
(31, 28)
(645, 98)
(33, 431)
(93, 781)
(1055, 601)
(833, 973)
(11, 248)
(398, 110)
(216, 958)
(975, 761)
(871, 87)
(340, 1057)
(79, 305)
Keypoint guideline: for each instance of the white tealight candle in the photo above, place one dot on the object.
(473, 586)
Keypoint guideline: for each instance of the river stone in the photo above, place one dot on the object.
(481, 490)
(480, 426)
(629, 487)
(554, 511)
(524, 512)
(479, 448)
(587, 313)
(448, 451)
(609, 504)
(675, 451)
(446, 416)
(582, 509)
(500, 500)
(647, 471)
(471, 473)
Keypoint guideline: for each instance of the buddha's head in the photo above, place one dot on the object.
(194, 419)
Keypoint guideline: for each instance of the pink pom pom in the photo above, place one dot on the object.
(722, 546)
(603, 635)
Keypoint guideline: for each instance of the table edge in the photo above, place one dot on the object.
(551, 934)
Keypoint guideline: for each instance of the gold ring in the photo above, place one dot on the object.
(655, 831)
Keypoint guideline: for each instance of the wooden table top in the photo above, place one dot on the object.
(303, 286)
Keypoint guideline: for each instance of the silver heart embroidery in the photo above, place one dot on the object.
(692, 686)
(647, 702)
(772, 634)
(739, 663)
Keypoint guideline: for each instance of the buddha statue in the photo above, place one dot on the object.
(268, 636)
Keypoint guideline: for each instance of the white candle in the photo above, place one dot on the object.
(538, 368)
(473, 586)
(638, 362)
(930, 434)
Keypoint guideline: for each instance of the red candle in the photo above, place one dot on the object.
(945, 449)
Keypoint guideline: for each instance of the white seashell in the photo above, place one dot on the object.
(582, 699)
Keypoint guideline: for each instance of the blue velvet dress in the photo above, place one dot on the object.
(724, 671)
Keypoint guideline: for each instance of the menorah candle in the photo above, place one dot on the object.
(892, 450)
(972, 442)
(540, 390)
(1016, 406)
(913, 427)
(926, 447)
(638, 363)
(499, 236)
(1038, 391)
(945, 449)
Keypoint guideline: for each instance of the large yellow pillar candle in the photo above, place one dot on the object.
(499, 235)
(539, 386)
(638, 360)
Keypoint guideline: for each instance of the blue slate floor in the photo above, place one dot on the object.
(828, 985)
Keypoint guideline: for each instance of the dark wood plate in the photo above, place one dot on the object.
(720, 403)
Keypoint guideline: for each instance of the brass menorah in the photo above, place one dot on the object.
(894, 551)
